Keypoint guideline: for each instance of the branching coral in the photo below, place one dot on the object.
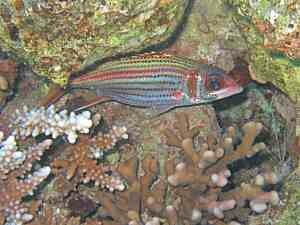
(13, 190)
(81, 159)
(107, 141)
(194, 187)
(202, 173)
(15, 163)
(48, 121)
(18, 154)
(17, 179)
(144, 200)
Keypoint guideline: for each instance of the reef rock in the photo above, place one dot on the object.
(271, 30)
(59, 37)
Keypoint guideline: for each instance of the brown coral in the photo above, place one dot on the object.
(13, 190)
(193, 186)
(143, 201)
(81, 159)
(199, 177)
(189, 189)
(63, 205)
(80, 162)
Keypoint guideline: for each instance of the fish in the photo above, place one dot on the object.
(157, 81)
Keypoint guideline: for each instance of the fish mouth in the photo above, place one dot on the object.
(227, 92)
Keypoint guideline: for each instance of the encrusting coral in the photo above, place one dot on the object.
(60, 37)
(8, 75)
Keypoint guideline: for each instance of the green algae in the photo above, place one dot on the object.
(282, 72)
(265, 66)
(291, 212)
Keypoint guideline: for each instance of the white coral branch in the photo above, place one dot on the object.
(50, 122)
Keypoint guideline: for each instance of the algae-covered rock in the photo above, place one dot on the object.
(277, 21)
(291, 213)
(211, 35)
(8, 75)
(271, 30)
(60, 37)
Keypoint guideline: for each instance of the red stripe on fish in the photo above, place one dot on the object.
(101, 76)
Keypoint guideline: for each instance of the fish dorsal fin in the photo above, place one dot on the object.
(152, 55)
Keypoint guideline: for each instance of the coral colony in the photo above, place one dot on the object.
(49, 122)
(194, 181)
(191, 190)
(66, 168)
(103, 142)
(81, 162)
(15, 161)
(205, 172)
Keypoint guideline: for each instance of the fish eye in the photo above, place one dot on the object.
(214, 84)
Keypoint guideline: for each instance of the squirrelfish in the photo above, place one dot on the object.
(158, 81)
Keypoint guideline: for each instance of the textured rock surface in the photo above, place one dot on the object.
(277, 21)
(271, 30)
(8, 75)
(210, 35)
(59, 37)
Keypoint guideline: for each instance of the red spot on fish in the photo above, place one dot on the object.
(192, 84)
(178, 95)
